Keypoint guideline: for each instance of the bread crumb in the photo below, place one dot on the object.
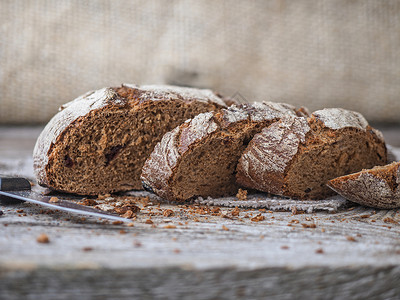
(242, 194)
(54, 200)
(43, 238)
(88, 202)
(87, 249)
(284, 247)
(117, 222)
(319, 251)
(177, 251)
(130, 224)
(390, 220)
(122, 231)
(225, 228)
(148, 221)
(168, 213)
(312, 225)
(350, 238)
(258, 218)
(128, 214)
(169, 226)
(235, 212)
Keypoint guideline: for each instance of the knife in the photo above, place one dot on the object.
(18, 189)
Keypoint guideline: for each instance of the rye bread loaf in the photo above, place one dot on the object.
(99, 142)
(377, 187)
(296, 156)
(199, 157)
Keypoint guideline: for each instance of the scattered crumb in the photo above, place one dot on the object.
(319, 251)
(122, 231)
(284, 247)
(350, 238)
(117, 222)
(322, 229)
(148, 221)
(390, 220)
(20, 210)
(235, 212)
(169, 226)
(130, 224)
(312, 225)
(128, 214)
(168, 213)
(54, 200)
(43, 239)
(242, 194)
(258, 218)
(364, 216)
(103, 197)
(88, 202)
(177, 251)
(86, 249)
(225, 228)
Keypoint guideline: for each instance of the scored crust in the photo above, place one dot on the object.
(199, 157)
(295, 157)
(98, 142)
(377, 187)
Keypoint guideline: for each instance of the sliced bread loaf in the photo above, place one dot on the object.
(99, 142)
(296, 157)
(199, 157)
(377, 187)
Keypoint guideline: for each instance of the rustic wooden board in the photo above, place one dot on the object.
(354, 253)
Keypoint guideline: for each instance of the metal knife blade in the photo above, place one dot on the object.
(19, 188)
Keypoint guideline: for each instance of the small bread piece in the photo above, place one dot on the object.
(98, 143)
(377, 187)
(199, 157)
(295, 157)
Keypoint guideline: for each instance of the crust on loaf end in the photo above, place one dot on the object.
(377, 187)
(199, 157)
(295, 157)
(98, 143)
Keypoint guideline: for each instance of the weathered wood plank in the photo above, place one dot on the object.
(191, 254)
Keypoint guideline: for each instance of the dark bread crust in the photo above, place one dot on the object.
(199, 157)
(295, 157)
(377, 187)
(110, 123)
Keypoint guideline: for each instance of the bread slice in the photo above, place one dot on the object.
(199, 157)
(377, 187)
(295, 157)
(99, 142)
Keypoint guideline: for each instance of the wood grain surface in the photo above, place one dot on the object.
(192, 254)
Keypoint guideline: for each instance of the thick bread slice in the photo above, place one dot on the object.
(377, 187)
(199, 157)
(98, 143)
(295, 157)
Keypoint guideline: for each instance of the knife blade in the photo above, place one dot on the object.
(19, 189)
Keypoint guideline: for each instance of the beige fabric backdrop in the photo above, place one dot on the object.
(317, 53)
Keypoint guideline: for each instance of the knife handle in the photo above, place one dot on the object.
(8, 183)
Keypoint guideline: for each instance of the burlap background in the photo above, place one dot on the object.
(316, 53)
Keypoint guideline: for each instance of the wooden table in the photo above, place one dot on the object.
(353, 253)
